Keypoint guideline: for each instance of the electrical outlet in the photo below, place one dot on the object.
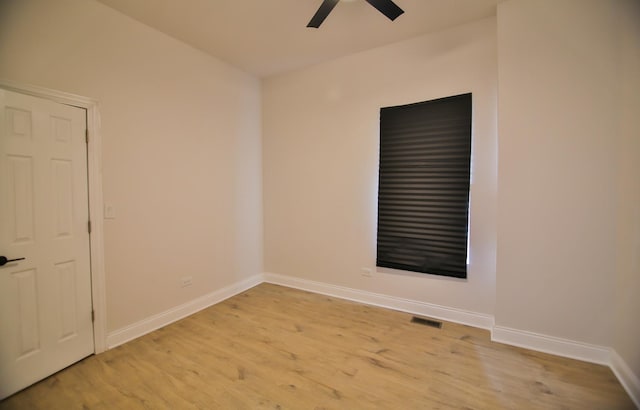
(366, 272)
(186, 281)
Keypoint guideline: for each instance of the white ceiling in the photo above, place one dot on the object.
(266, 37)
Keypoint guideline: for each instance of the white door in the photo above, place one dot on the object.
(45, 299)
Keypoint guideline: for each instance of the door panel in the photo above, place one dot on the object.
(20, 197)
(26, 315)
(45, 300)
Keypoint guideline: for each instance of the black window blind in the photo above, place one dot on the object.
(423, 194)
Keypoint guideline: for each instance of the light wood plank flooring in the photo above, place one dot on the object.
(279, 348)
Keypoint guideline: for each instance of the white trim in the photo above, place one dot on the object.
(573, 350)
(552, 345)
(629, 380)
(167, 317)
(94, 156)
(390, 302)
(94, 169)
(47, 93)
(529, 340)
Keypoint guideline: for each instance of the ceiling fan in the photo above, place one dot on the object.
(386, 7)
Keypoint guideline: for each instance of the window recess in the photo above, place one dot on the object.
(423, 194)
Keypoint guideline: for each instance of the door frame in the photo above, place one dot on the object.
(94, 178)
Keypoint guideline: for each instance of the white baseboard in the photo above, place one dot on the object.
(552, 345)
(159, 320)
(629, 380)
(573, 350)
(391, 302)
(529, 340)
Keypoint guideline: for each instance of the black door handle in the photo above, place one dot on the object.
(4, 260)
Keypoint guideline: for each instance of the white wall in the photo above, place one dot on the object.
(558, 169)
(320, 156)
(181, 148)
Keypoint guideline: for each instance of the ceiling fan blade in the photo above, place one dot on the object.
(387, 7)
(322, 13)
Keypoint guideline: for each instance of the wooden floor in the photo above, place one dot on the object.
(278, 348)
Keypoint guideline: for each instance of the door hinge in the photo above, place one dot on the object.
(86, 135)
(89, 226)
(93, 315)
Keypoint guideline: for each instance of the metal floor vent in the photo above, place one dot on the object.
(426, 322)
